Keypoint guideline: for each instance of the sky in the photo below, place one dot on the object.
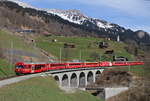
(133, 14)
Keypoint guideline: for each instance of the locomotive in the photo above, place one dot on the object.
(29, 68)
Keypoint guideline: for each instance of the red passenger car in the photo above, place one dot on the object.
(27, 68)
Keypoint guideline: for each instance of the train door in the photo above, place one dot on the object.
(32, 68)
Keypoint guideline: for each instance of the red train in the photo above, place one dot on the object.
(27, 68)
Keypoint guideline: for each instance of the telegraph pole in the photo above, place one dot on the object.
(60, 55)
(80, 55)
(99, 57)
(11, 55)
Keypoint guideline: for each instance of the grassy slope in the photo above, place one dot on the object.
(7, 38)
(18, 44)
(41, 89)
(81, 45)
(54, 48)
(137, 70)
(5, 69)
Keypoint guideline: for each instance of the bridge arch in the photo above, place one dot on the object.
(97, 74)
(57, 79)
(82, 79)
(73, 80)
(65, 80)
(90, 77)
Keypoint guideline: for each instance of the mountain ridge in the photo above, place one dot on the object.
(79, 23)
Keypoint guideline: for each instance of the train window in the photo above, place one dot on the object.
(29, 66)
(37, 67)
(20, 66)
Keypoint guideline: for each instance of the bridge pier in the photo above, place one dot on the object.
(86, 78)
(94, 77)
(77, 81)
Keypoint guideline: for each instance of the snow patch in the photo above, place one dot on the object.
(71, 16)
(102, 25)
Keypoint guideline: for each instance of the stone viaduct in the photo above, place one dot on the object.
(77, 78)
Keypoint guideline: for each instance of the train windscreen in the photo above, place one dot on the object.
(20, 66)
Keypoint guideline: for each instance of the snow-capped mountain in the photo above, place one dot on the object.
(77, 17)
(71, 15)
(68, 22)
